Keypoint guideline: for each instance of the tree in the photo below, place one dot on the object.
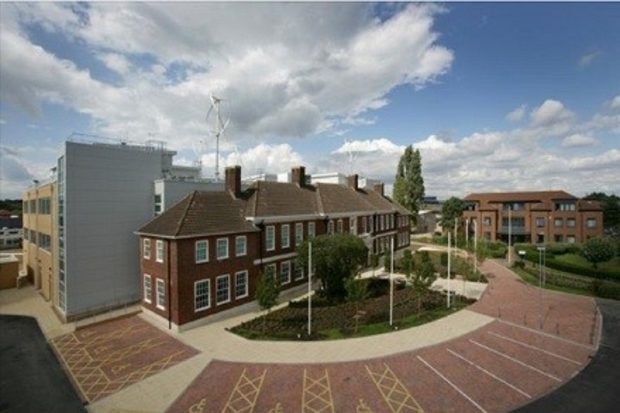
(597, 250)
(357, 292)
(409, 183)
(611, 209)
(407, 263)
(267, 292)
(425, 272)
(452, 209)
(335, 257)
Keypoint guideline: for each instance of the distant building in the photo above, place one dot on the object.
(11, 232)
(203, 255)
(534, 217)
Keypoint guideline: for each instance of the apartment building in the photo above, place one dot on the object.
(534, 217)
(203, 255)
(40, 238)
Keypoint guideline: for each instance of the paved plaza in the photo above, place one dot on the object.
(512, 347)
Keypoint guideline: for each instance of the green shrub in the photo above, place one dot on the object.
(606, 289)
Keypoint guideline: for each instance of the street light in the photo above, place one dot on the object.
(541, 256)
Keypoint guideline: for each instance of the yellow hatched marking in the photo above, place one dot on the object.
(244, 395)
(317, 394)
(198, 407)
(393, 391)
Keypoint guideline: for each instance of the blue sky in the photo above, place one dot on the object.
(497, 96)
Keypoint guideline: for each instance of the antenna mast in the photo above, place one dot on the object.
(218, 130)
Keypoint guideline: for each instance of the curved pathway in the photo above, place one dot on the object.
(493, 357)
(512, 347)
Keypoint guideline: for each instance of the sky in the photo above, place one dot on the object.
(496, 96)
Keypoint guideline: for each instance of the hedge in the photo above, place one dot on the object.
(531, 254)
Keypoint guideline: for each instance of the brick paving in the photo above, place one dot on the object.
(508, 349)
(107, 357)
(497, 368)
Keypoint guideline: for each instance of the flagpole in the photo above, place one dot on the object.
(309, 288)
(449, 254)
(391, 281)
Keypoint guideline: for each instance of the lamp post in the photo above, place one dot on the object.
(541, 256)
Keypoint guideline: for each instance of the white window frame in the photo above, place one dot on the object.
(311, 229)
(147, 290)
(271, 268)
(217, 289)
(270, 238)
(244, 240)
(222, 241)
(161, 295)
(285, 236)
(330, 227)
(353, 225)
(159, 250)
(589, 221)
(287, 265)
(299, 272)
(340, 226)
(299, 233)
(206, 249)
(364, 225)
(208, 295)
(245, 276)
(146, 248)
(571, 222)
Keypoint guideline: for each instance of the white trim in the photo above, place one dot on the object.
(146, 252)
(217, 302)
(288, 235)
(158, 257)
(206, 242)
(247, 287)
(273, 246)
(217, 249)
(245, 246)
(284, 218)
(208, 282)
(288, 281)
(147, 298)
(275, 258)
(158, 304)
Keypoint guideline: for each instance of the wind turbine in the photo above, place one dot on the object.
(214, 119)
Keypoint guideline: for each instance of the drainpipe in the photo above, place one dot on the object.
(169, 288)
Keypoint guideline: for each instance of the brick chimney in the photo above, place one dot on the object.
(378, 188)
(298, 176)
(352, 182)
(233, 180)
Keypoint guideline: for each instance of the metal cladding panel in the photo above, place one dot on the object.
(109, 193)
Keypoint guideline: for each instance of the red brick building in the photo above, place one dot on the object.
(534, 217)
(203, 255)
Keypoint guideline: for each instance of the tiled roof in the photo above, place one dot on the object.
(529, 196)
(334, 199)
(218, 212)
(201, 213)
(270, 199)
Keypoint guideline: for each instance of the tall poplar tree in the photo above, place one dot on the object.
(409, 184)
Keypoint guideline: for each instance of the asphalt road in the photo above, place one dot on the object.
(31, 378)
(595, 389)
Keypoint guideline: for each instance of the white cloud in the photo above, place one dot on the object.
(578, 139)
(290, 70)
(549, 113)
(517, 114)
(262, 158)
(589, 58)
(375, 145)
(615, 102)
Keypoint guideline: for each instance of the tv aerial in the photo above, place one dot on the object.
(217, 126)
(351, 154)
